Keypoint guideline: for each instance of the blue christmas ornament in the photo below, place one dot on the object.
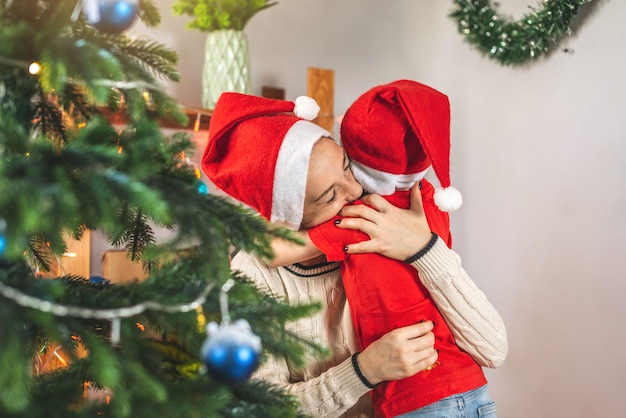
(231, 351)
(99, 280)
(111, 16)
(202, 188)
(3, 238)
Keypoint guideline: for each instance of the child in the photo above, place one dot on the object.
(392, 134)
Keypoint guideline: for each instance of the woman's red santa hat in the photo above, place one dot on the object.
(258, 152)
(393, 133)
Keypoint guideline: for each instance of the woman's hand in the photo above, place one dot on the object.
(394, 232)
(399, 354)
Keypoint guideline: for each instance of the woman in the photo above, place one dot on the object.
(293, 173)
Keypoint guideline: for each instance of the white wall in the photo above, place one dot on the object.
(538, 152)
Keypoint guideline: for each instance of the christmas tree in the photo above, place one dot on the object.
(65, 170)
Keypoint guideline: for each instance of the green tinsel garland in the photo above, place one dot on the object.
(515, 42)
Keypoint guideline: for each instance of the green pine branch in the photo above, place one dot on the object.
(64, 169)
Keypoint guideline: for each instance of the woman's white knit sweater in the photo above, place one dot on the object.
(330, 387)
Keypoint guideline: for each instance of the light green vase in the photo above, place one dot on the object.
(226, 65)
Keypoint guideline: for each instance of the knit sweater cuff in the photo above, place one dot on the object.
(346, 378)
(437, 262)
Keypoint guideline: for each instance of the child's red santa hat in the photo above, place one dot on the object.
(258, 152)
(394, 132)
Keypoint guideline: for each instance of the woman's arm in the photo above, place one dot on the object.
(399, 234)
(475, 323)
(330, 394)
(287, 252)
(321, 392)
(396, 355)
(330, 391)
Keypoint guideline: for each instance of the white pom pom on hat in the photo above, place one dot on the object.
(448, 199)
(306, 108)
(396, 131)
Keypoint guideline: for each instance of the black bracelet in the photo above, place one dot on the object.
(358, 372)
(420, 253)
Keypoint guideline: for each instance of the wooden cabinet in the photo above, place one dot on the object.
(75, 261)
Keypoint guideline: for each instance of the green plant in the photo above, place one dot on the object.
(212, 15)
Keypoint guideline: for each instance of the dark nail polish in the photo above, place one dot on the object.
(337, 221)
(345, 249)
(420, 185)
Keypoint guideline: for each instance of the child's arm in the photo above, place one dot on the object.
(286, 252)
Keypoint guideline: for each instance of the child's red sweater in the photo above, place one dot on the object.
(385, 294)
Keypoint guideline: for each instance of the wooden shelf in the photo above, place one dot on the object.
(198, 119)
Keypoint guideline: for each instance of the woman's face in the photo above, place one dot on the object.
(330, 184)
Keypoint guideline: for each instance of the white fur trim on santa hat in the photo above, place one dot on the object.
(382, 183)
(448, 199)
(306, 108)
(292, 167)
